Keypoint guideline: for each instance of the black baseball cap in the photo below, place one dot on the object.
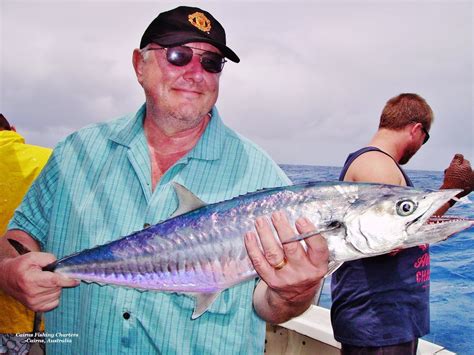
(184, 25)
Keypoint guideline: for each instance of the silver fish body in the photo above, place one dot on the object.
(201, 250)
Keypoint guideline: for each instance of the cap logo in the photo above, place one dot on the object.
(200, 21)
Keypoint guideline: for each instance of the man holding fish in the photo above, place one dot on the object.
(111, 179)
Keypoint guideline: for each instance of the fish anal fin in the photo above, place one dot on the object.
(333, 266)
(187, 201)
(203, 302)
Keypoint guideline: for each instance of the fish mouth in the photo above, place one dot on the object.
(436, 200)
(447, 219)
(438, 228)
(430, 228)
(447, 224)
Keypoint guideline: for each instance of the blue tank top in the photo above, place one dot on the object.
(383, 300)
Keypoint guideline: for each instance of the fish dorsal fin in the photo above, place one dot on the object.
(203, 302)
(187, 201)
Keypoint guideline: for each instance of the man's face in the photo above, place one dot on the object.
(185, 93)
(414, 146)
(409, 152)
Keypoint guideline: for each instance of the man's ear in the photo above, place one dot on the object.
(417, 127)
(138, 62)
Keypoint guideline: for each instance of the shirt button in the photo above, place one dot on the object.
(126, 315)
(146, 225)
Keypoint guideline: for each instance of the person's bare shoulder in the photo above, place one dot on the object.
(375, 167)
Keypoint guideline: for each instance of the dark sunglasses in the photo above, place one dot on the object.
(182, 55)
(427, 135)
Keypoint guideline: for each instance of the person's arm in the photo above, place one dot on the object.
(286, 292)
(458, 175)
(21, 276)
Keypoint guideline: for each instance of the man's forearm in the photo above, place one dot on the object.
(7, 252)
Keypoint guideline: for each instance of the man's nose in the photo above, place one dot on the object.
(194, 70)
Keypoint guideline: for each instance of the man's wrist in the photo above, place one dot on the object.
(278, 301)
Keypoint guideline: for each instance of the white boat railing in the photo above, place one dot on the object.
(311, 333)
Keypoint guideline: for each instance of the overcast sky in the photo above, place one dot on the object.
(312, 81)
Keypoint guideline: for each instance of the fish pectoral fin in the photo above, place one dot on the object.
(187, 201)
(331, 227)
(333, 266)
(203, 302)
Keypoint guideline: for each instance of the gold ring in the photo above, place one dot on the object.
(280, 265)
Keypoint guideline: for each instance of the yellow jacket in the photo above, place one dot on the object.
(20, 164)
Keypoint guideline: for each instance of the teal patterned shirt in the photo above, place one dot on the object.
(96, 188)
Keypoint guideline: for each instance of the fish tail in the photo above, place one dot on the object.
(20, 248)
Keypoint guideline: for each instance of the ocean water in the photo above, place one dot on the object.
(452, 266)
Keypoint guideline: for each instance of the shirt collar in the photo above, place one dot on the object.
(211, 143)
(130, 130)
(208, 147)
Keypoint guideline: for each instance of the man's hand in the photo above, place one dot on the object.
(22, 278)
(459, 175)
(291, 276)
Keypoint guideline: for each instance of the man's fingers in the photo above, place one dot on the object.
(47, 297)
(292, 251)
(48, 279)
(256, 256)
(43, 259)
(268, 255)
(47, 306)
(63, 281)
(53, 280)
(316, 242)
(317, 251)
(458, 158)
(271, 248)
(282, 226)
(36, 300)
(467, 164)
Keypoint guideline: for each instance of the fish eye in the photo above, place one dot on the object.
(406, 207)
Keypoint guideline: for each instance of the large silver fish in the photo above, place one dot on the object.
(200, 250)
